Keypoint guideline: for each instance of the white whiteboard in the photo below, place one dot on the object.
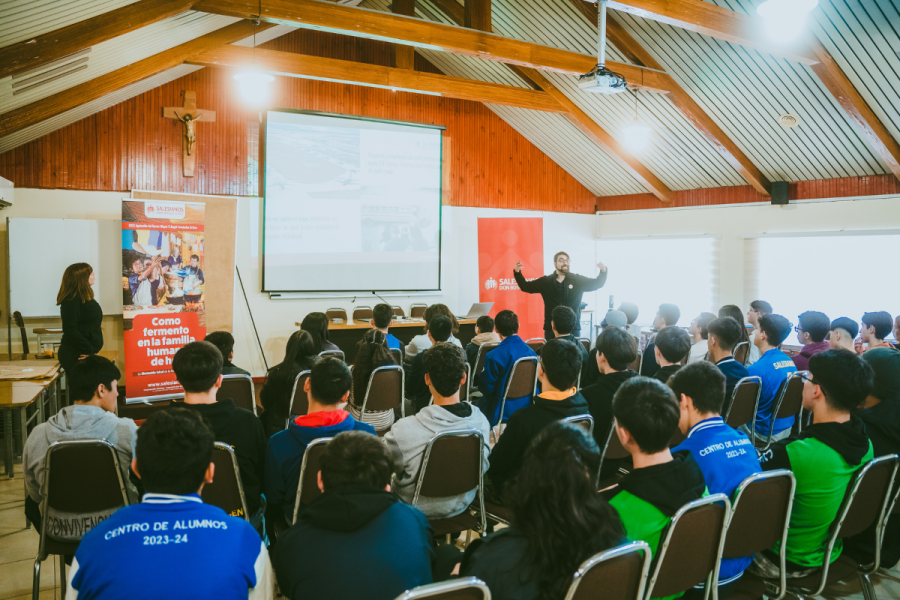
(41, 249)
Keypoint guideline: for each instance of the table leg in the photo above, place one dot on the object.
(23, 419)
(8, 439)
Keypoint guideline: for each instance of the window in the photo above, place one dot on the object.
(839, 274)
(651, 271)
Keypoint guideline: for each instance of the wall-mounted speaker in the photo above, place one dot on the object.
(779, 192)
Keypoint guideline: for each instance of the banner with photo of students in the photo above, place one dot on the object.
(163, 292)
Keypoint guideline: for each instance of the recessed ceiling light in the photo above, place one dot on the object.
(788, 120)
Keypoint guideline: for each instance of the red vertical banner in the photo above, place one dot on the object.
(501, 244)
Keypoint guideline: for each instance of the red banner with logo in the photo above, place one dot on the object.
(501, 244)
(163, 291)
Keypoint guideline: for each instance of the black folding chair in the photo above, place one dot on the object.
(239, 388)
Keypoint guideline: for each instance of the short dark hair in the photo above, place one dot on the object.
(847, 324)
(703, 383)
(761, 306)
(564, 319)
(355, 458)
(669, 313)
(631, 311)
(618, 347)
(845, 378)
(647, 408)
(222, 340)
(197, 366)
(484, 324)
(703, 322)
(382, 315)
(727, 332)
(445, 366)
(673, 342)
(776, 328)
(329, 380)
(440, 328)
(173, 451)
(558, 254)
(193, 256)
(86, 375)
(562, 363)
(816, 324)
(507, 323)
(882, 321)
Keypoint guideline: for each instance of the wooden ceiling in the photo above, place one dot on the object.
(711, 83)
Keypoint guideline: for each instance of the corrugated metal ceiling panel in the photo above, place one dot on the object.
(24, 19)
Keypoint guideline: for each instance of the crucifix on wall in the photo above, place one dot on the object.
(189, 114)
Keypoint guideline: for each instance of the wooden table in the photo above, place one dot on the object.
(347, 335)
(17, 396)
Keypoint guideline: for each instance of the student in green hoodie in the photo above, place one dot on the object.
(647, 415)
(823, 458)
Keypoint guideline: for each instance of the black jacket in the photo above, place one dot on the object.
(667, 486)
(649, 366)
(523, 426)
(81, 325)
(599, 398)
(501, 561)
(275, 395)
(239, 428)
(568, 294)
(663, 373)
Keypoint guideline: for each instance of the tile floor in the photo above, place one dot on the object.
(18, 547)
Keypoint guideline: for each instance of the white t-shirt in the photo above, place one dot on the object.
(754, 351)
(698, 351)
(421, 343)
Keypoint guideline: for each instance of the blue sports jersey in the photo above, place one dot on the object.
(773, 368)
(188, 549)
(726, 458)
(392, 341)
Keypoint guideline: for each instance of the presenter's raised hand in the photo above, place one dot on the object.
(518, 267)
(601, 266)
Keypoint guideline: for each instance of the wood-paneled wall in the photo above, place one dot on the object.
(130, 146)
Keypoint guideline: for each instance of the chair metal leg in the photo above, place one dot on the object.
(62, 576)
(868, 589)
(36, 582)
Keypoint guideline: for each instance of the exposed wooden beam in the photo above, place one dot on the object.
(342, 71)
(403, 57)
(478, 15)
(708, 19)
(590, 128)
(452, 9)
(361, 22)
(51, 106)
(34, 52)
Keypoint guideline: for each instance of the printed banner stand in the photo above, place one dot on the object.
(163, 292)
(501, 244)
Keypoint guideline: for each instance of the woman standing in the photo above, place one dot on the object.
(81, 315)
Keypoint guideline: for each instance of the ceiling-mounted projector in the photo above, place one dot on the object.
(601, 80)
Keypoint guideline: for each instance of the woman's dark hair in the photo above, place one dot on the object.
(300, 355)
(735, 312)
(316, 323)
(371, 352)
(440, 309)
(555, 503)
(75, 283)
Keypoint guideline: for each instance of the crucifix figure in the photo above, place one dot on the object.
(189, 114)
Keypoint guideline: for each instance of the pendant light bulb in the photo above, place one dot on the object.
(637, 134)
(785, 19)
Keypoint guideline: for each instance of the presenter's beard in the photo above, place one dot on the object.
(564, 269)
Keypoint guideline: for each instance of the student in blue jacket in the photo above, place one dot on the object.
(498, 365)
(773, 368)
(724, 455)
(188, 549)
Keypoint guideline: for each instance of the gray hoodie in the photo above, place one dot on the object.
(407, 441)
(78, 422)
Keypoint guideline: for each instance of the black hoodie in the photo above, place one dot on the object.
(599, 397)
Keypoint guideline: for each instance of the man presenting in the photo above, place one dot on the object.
(560, 288)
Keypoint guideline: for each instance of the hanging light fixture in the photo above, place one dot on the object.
(637, 133)
(253, 82)
(785, 18)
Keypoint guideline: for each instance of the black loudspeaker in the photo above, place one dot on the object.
(779, 192)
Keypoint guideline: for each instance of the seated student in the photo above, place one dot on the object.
(498, 365)
(724, 334)
(276, 395)
(224, 341)
(811, 331)
(445, 372)
(672, 345)
(647, 416)
(615, 351)
(735, 312)
(562, 524)
(666, 316)
(723, 454)
(876, 326)
(197, 367)
(699, 335)
(557, 372)
(189, 549)
(758, 308)
(484, 333)
(328, 385)
(316, 323)
(563, 322)
(371, 353)
(382, 319)
(421, 343)
(843, 334)
(356, 540)
(614, 319)
(417, 389)
(631, 314)
(773, 368)
(823, 458)
(881, 417)
(92, 383)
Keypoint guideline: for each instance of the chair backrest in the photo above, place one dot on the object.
(308, 485)
(584, 421)
(616, 574)
(336, 353)
(240, 389)
(465, 588)
(521, 382)
(760, 513)
(464, 389)
(536, 344)
(226, 490)
(385, 391)
(362, 312)
(636, 363)
(398, 355)
(398, 312)
(81, 476)
(417, 311)
(479, 361)
(452, 465)
(613, 448)
(741, 352)
(20, 323)
(689, 553)
(586, 342)
(743, 403)
(299, 399)
(336, 313)
(788, 402)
